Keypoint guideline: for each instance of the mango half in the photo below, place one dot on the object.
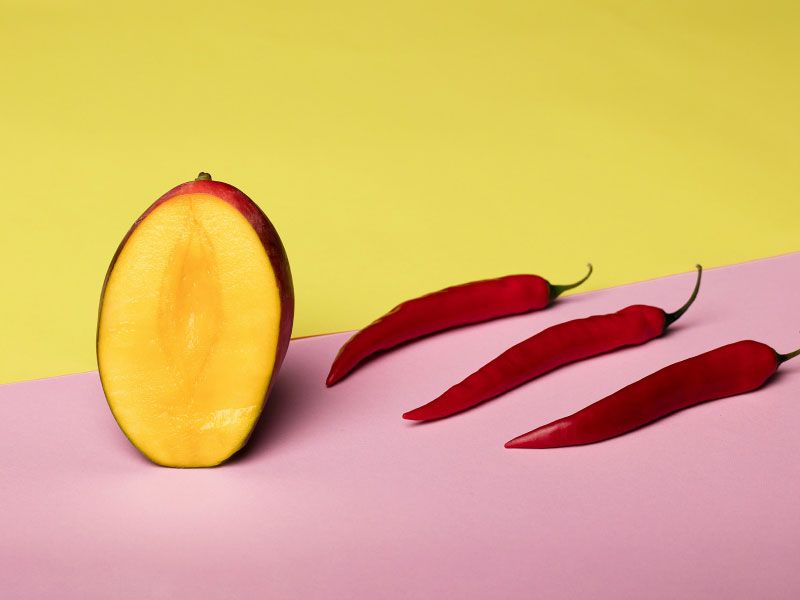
(195, 318)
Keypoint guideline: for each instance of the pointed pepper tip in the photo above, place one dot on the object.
(416, 414)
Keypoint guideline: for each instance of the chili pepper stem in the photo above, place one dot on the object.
(782, 358)
(557, 290)
(674, 316)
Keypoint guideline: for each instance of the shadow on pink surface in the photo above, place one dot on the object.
(290, 402)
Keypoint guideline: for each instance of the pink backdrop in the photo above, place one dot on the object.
(338, 497)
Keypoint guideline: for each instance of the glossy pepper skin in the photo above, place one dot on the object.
(451, 307)
(551, 348)
(726, 371)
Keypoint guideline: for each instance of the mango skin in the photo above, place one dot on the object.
(271, 242)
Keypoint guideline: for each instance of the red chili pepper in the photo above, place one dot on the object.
(451, 307)
(551, 348)
(726, 371)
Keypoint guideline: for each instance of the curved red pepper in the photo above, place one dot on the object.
(451, 307)
(726, 371)
(551, 348)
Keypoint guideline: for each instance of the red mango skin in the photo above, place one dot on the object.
(451, 307)
(549, 349)
(726, 371)
(267, 233)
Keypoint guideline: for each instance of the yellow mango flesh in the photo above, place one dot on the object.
(188, 332)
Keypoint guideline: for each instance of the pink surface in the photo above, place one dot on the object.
(338, 497)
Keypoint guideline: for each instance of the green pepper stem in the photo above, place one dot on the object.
(674, 316)
(203, 176)
(557, 290)
(782, 358)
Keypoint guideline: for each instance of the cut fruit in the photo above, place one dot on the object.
(195, 318)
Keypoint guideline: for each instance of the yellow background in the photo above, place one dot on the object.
(398, 147)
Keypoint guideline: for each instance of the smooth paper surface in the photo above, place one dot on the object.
(338, 497)
(398, 146)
